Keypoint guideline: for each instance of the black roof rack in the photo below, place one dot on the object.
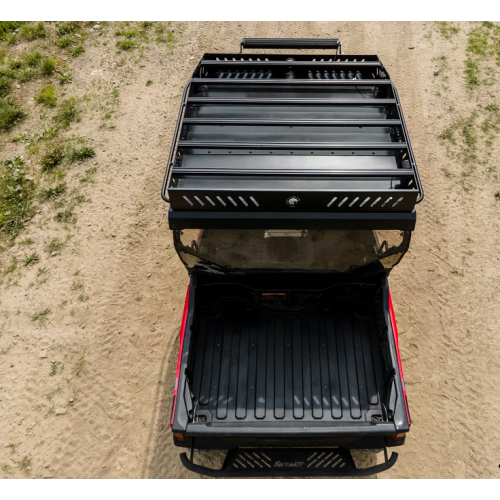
(291, 140)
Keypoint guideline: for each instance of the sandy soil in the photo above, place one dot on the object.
(116, 352)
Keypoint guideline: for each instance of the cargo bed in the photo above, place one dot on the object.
(256, 364)
(310, 358)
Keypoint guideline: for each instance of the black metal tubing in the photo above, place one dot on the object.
(349, 471)
(309, 64)
(292, 145)
(320, 172)
(174, 140)
(185, 219)
(249, 101)
(296, 56)
(312, 123)
(285, 82)
(290, 43)
(410, 151)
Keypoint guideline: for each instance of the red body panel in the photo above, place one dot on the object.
(396, 339)
(181, 342)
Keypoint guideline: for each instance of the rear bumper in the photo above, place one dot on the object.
(212, 437)
(285, 462)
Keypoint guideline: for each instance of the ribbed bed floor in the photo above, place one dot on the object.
(256, 364)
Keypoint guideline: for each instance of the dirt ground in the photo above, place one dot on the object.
(104, 410)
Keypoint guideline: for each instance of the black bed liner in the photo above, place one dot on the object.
(256, 365)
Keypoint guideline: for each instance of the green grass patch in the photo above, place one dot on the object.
(8, 27)
(41, 317)
(163, 34)
(26, 75)
(5, 86)
(33, 32)
(127, 33)
(66, 27)
(77, 285)
(33, 59)
(48, 66)
(10, 113)
(448, 29)
(68, 112)
(11, 267)
(17, 189)
(55, 246)
(66, 41)
(89, 176)
(125, 45)
(80, 154)
(31, 259)
(47, 96)
(76, 51)
(53, 192)
(64, 77)
(65, 217)
(483, 44)
(471, 74)
(52, 158)
(15, 64)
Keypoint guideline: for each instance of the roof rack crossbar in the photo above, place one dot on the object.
(286, 81)
(327, 64)
(291, 100)
(286, 145)
(314, 123)
(400, 172)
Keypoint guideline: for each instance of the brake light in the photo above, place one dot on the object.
(400, 435)
(179, 436)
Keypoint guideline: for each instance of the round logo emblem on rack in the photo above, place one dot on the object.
(293, 201)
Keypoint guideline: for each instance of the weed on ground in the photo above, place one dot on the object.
(17, 190)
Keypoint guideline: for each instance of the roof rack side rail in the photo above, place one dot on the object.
(410, 151)
(174, 141)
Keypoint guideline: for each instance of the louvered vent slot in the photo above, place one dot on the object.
(188, 200)
(325, 460)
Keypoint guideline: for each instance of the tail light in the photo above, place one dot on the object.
(400, 435)
(179, 436)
